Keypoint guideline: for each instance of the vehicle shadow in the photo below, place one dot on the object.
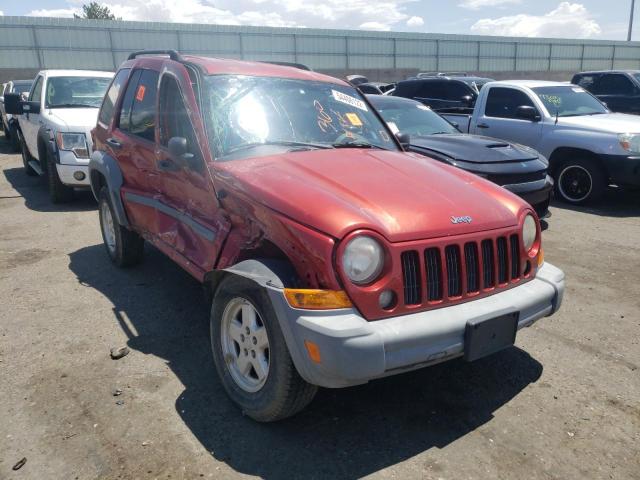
(617, 202)
(36, 196)
(346, 433)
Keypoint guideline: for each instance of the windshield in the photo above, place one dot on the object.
(415, 119)
(246, 114)
(569, 101)
(69, 92)
(22, 87)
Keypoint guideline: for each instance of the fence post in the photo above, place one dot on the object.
(113, 53)
(37, 48)
(550, 52)
(348, 53)
(437, 55)
(515, 56)
(241, 45)
(613, 57)
(582, 59)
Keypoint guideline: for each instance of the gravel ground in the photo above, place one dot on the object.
(564, 403)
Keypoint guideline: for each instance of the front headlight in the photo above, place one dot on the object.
(529, 232)
(362, 260)
(630, 142)
(74, 142)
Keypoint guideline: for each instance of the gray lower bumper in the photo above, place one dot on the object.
(354, 351)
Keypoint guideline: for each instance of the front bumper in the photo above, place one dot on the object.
(68, 164)
(623, 169)
(537, 194)
(354, 350)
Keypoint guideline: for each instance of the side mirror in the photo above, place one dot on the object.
(404, 139)
(527, 112)
(13, 104)
(178, 150)
(467, 100)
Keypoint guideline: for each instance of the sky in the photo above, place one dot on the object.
(597, 19)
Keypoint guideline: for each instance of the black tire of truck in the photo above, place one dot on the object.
(284, 392)
(12, 133)
(580, 181)
(26, 156)
(124, 247)
(58, 191)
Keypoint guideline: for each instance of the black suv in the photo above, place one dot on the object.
(619, 89)
(443, 94)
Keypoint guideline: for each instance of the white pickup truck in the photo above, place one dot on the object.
(588, 147)
(54, 126)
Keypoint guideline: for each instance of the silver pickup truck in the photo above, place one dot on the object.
(588, 147)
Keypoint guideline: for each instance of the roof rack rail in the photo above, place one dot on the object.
(173, 55)
(299, 66)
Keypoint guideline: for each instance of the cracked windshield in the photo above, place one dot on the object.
(256, 116)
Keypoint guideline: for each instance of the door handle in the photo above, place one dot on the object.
(482, 125)
(114, 143)
(167, 165)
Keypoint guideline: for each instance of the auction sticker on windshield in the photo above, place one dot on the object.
(349, 100)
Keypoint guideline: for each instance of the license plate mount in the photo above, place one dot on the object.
(484, 337)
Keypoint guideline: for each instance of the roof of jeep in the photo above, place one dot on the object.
(221, 66)
(75, 73)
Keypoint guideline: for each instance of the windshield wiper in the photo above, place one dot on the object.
(72, 105)
(356, 145)
(283, 143)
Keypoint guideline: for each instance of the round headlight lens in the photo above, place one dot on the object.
(362, 260)
(529, 232)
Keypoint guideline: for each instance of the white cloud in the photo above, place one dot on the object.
(478, 4)
(375, 26)
(1, 13)
(569, 20)
(415, 22)
(56, 12)
(365, 14)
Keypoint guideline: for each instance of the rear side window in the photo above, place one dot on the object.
(614, 84)
(585, 81)
(503, 102)
(109, 102)
(138, 114)
(36, 93)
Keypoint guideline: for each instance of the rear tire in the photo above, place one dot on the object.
(26, 156)
(124, 247)
(580, 181)
(280, 391)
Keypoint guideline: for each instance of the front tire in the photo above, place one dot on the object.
(251, 355)
(580, 181)
(124, 247)
(58, 191)
(12, 132)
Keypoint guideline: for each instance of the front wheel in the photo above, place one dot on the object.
(251, 355)
(580, 181)
(125, 247)
(58, 191)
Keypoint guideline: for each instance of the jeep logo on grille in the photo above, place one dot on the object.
(465, 219)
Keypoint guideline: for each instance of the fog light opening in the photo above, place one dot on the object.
(387, 299)
(78, 175)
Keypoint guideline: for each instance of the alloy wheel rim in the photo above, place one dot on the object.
(575, 183)
(245, 345)
(108, 228)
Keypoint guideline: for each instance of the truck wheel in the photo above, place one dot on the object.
(11, 132)
(58, 191)
(26, 156)
(251, 355)
(580, 181)
(125, 247)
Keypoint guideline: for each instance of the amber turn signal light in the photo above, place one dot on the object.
(316, 299)
(540, 257)
(313, 351)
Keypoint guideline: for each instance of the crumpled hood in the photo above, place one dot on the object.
(608, 122)
(473, 148)
(74, 119)
(399, 195)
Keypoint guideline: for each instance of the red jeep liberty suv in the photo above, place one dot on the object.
(331, 256)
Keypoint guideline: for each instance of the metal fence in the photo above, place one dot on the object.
(36, 43)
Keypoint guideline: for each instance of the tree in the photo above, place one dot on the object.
(96, 11)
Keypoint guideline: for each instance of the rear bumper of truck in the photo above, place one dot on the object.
(353, 350)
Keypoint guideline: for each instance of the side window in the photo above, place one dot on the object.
(455, 90)
(432, 89)
(173, 119)
(503, 102)
(36, 93)
(614, 84)
(109, 102)
(127, 101)
(585, 81)
(143, 109)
